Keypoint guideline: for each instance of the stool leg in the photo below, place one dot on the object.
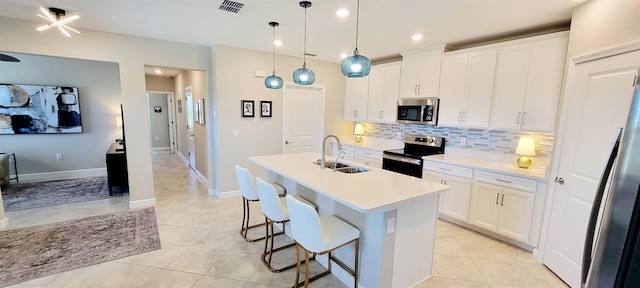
(245, 222)
(306, 266)
(355, 265)
(297, 266)
(266, 228)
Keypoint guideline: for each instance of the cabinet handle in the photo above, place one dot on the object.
(445, 169)
(524, 116)
(415, 89)
(504, 181)
(464, 115)
(519, 114)
(419, 85)
(497, 195)
(441, 181)
(459, 116)
(445, 181)
(502, 200)
(355, 113)
(382, 114)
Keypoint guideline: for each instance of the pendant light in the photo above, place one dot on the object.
(356, 65)
(273, 81)
(304, 76)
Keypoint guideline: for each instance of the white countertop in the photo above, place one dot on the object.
(377, 144)
(535, 172)
(376, 189)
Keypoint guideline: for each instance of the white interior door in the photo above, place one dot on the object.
(595, 106)
(303, 118)
(191, 142)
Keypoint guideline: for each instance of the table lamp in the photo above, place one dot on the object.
(119, 121)
(358, 130)
(526, 147)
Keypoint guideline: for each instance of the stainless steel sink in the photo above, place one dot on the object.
(341, 167)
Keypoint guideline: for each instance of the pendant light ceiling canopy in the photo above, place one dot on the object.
(356, 65)
(57, 21)
(304, 76)
(273, 81)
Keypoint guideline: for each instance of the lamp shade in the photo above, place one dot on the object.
(304, 76)
(273, 82)
(526, 146)
(356, 66)
(358, 129)
(119, 121)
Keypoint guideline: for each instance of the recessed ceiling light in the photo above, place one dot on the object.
(158, 71)
(277, 42)
(416, 37)
(342, 12)
(343, 55)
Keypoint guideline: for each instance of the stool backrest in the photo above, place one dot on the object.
(246, 184)
(305, 224)
(270, 202)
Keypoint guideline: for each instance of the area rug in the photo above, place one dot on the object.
(52, 193)
(38, 251)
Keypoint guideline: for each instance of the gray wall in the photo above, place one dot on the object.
(158, 121)
(195, 79)
(99, 96)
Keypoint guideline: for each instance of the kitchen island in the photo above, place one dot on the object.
(396, 215)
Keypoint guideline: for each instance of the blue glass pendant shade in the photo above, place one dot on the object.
(356, 66)
(273, 82)
(304, 76)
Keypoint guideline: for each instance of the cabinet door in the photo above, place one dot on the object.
(411, 69)
(484, 208)
(516, 212)
(355, 98)
(544, 84)
(512, 72)
(376, 94)
(384, 86)
(455, 202)
(437, 178)
(452, 87)
(479, 88)
(421, 74)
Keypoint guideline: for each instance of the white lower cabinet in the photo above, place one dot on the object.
(455, 202)
(349, 154)
(368, 157)
(501, 208)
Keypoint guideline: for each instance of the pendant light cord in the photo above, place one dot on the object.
(273, 45)
(357, 23)
(305, 38)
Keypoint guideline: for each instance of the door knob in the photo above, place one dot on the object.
(287, 142)
(559, 180)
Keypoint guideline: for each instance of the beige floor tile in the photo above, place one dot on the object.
(78, 278)
(178, 218)
(501, 272)
(217, 282)
(456, 267)
(448, 245)
(234, 265)
(172, 279)
(434, 282)
(158, 258)
(219, 240)
(126, 275)
(165, 230)
(196, 260)
(455, 283)
(186, 236)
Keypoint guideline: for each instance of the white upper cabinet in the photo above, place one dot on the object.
(355, 98)
(384, 88)
(528, 83)
(421, 73)
(467, 88)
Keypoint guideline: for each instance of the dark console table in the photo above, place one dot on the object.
(117, 174)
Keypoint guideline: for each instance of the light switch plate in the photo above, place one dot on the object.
(391, 225)
(463, 141)
(236, 133)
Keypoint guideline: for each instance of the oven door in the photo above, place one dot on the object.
(402, 165)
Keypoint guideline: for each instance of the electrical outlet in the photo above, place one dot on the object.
(399, 135)
(59, 156)
(236, 133)
(156, 138)
(391, 225)
(463, 141)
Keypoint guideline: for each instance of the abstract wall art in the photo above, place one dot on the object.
(36, 109)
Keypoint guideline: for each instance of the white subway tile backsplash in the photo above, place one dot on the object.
(488, 140)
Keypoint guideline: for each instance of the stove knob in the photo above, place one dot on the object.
(430, 140)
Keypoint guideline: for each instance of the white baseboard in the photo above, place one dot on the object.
(61, 175)
(228, 194)
(342, 275)
(204, 179)
(4, 223)
(213, 192)
(144, 203)
(161, 148)
(182, 157)
(537, 255)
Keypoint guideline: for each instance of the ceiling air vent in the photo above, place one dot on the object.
(231, 6)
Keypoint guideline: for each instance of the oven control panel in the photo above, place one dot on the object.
(424, 140)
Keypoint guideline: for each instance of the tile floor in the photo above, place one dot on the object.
(201, 246)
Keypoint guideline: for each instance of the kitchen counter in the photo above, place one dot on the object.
(396, 215)
(376, 189)
(533, 172)
(372, 143)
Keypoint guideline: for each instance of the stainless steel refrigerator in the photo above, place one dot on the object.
(611, 255)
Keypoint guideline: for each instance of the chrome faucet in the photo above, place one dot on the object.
(335, 164)
(324, 142)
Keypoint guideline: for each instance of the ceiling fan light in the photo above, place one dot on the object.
(356, 66)
(42, 28)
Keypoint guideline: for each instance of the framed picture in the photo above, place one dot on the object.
(247, 108)
(157, 109)
(265, 108)
(179, 106)
(200, 111)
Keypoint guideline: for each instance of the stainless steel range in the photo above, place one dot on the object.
(409, 161)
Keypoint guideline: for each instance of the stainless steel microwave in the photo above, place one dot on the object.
(418, 111)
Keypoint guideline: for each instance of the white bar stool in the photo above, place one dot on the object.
(249, 194)
(275, 211)
(319, 235)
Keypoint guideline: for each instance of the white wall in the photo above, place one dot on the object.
(235, 81)
(132, 54)
(99, 97)
(158, 121)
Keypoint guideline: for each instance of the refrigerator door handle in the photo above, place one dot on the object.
(595, 209)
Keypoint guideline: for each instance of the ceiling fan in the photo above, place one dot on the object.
(8, 58)
(56, 21)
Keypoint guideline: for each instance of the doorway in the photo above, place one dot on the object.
(161, 123)
(303, 118)
(191, 141)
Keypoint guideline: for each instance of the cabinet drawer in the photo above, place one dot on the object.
(368, 153)
(449, 169)
(507, 181)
